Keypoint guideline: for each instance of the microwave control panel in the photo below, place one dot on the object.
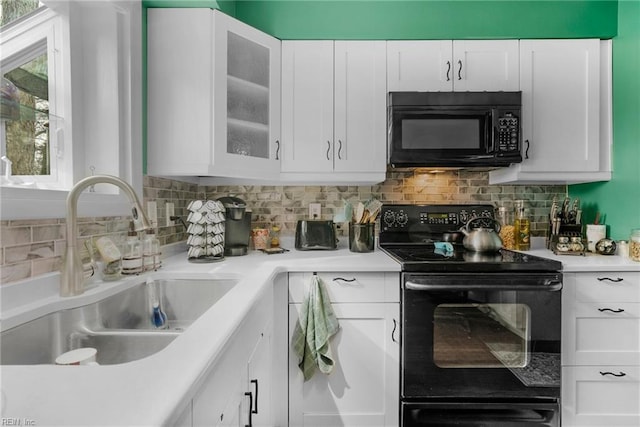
(508, 130)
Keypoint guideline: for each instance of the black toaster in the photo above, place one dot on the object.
(312, 235)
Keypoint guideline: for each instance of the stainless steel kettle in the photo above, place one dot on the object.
(482, 239)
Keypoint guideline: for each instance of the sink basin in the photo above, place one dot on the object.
(119, 326)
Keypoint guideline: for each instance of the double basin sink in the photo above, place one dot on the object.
(120, 327)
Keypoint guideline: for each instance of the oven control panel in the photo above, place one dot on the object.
(431, 217)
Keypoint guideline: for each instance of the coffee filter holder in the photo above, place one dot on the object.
(206, 227)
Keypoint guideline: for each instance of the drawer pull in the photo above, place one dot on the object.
(620, 374)
(335, 279)
(393, 333)
(609, 279)
(620, 310)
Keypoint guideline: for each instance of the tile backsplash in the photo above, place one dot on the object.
(30, 248)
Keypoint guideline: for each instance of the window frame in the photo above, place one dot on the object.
(70, 52)
(24, 40)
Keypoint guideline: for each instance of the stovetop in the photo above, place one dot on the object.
(408, 233)
(426, 258)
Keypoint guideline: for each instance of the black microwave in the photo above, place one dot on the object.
(454, 129)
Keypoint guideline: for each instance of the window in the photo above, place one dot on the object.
(80, 107)
(30, 119)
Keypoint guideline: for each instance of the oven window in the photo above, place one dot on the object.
(481, 335)
(441, 133)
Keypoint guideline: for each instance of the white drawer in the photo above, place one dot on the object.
(601, 334)
(348, 287)
(601, 396)
(606, 287)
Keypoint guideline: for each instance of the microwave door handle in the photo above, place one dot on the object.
(492, 131)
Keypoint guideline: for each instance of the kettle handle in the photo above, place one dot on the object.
(496, 223)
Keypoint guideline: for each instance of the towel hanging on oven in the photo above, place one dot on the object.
(316, 325)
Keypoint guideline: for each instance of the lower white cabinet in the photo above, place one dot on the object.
(363, 389)
(239, 387)
(601, 349)
(601, 396)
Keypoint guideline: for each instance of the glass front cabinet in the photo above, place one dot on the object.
(214, 96)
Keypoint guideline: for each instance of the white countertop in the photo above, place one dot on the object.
(153, 390)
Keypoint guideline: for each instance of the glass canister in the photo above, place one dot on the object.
(522, 227)
(505, 217)
(634, 245)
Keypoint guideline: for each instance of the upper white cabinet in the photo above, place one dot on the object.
(566, 109)
(213, 96)
(459, 65)
(333, 111)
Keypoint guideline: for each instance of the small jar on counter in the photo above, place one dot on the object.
(634, 245)
(505, 218)
(623, 248)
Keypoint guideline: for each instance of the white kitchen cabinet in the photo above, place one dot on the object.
(458, 65)
(333, 111)
(363, 389)
(223, 398)
(566, 113)
(213, 96)
(601, 349)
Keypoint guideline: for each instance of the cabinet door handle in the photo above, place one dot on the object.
(526, 152)
(339, 150)
(277, 149)
(448, 70)
(619, 374)
(248, 393)
(460, 70)
(619, 310)
(609, 279)
(328, 149)
(393, 333)
(255, 401)
(335, 279)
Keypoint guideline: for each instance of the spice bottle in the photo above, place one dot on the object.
(522, 226)
(505, 218)
(634, 245)
(132, 253)
(151, 251)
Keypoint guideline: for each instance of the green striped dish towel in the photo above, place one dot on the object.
(316, 325)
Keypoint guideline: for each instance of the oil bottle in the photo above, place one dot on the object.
(522, 226)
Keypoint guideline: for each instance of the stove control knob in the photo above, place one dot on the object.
(389, 218)
(402, 219)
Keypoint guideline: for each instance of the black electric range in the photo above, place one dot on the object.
(480, 331)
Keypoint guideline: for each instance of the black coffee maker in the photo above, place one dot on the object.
(237, 226)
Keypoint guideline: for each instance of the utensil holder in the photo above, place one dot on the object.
(362, 237)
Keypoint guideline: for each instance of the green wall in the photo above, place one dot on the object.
(619, 199)
(431, 19)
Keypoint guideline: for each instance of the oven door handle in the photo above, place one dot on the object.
(548, 285)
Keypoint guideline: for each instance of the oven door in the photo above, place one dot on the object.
(489, 336)
(422, 136)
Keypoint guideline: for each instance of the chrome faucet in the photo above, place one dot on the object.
(71, 274)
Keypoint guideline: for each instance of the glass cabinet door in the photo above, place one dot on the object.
(248, 72)
(246, 100)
